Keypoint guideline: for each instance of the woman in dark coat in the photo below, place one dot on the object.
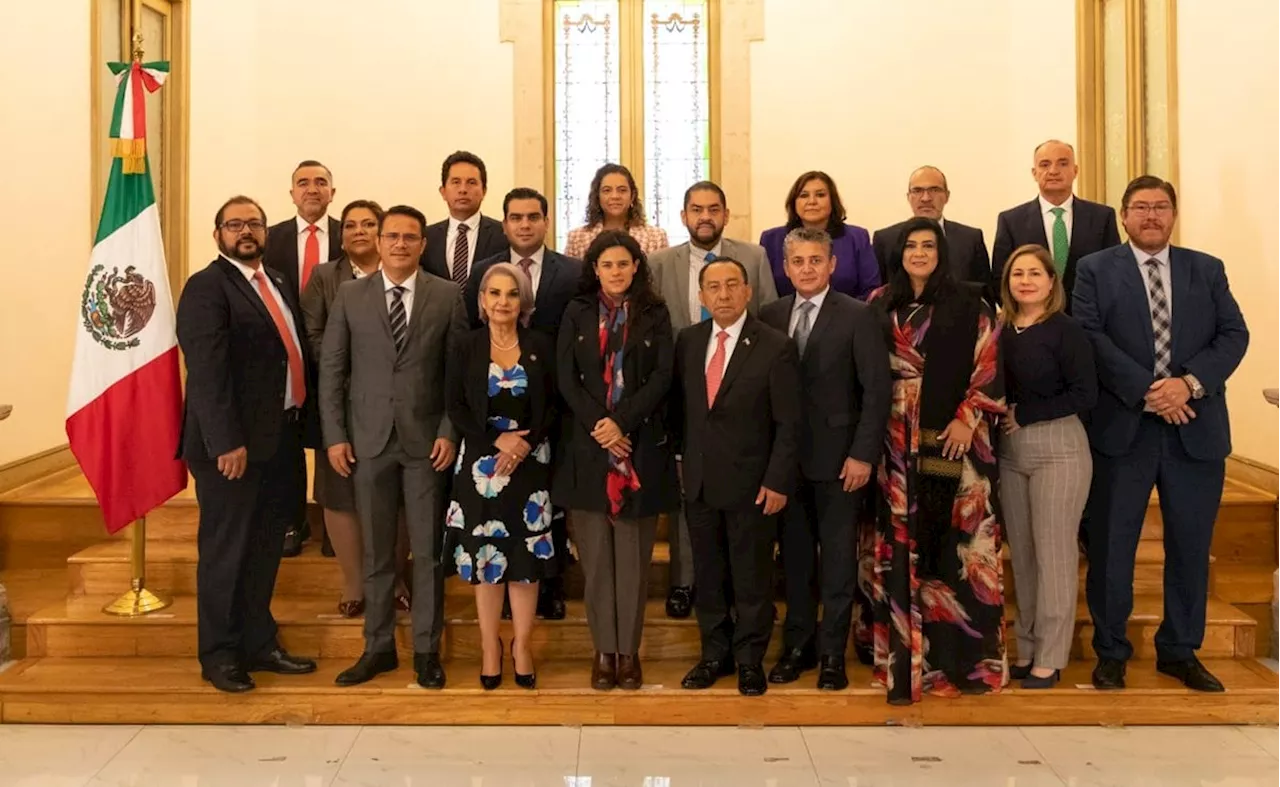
(616, 473)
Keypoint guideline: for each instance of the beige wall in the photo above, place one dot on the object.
(867, 91)
(1227, 118)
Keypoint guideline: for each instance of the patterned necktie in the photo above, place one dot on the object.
(1061, 243)
(399, 320)
(1161, 322)
(710, 258)
(297, 380)
(460, 252)
(715, 369)
(803, 326)
(310, 255)
(526, 267)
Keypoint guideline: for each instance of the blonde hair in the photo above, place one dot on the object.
(522, 284)
(1057, 300)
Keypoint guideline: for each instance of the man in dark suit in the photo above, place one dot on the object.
(1069, 227)
(738, 401)
(382, 376)
(1167, 334)
(927, 194)
(555, 279)
(846, 392)
(295, 248)
(239, 328)
(466, 237)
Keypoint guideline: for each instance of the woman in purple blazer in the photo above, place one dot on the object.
(814, 202)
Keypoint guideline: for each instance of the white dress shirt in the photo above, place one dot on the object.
(1046, 213)
(1161, 257)
(451, 241)
(734, 332)
(697, 260)
(406, 298)
(813, 315)
(535, 270)
(289, 401)
(322, 237)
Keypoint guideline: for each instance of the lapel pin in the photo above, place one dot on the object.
(746, 342)
(648, 343)
(533, 357)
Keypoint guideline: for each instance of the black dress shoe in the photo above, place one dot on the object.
(368, 667)
(294, 538)
(604, 671)
(680, 602)
(1020, 671)
(865, 657)
(551, 599)
(706, 672)
(1036, 682)
(831, 674)
(1109, 674)
(751, 682)
(280, 661)
(793, 664)
(1192, 673)
(229, 678)
(428, 670)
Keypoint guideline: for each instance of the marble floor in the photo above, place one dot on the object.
(155, 756)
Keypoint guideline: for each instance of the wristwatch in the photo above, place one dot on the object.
(1197, 390)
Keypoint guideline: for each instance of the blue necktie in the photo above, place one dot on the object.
(711, 257)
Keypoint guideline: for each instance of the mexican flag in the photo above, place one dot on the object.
(124, 409)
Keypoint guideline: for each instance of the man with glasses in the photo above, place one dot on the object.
(239, 327)
(382, 408)
(927, 194)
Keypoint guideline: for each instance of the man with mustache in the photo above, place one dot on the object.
(675, 277)
(239, 327)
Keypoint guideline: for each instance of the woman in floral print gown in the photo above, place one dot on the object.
(937, 589)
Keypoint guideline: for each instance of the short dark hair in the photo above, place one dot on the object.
(705, 185)
(310, 163)
(641, 293)
(523, 192)
(1148, 182)
(899, 291)
(743, 268)
(835, 224)
(464, 157)
(239, 199)
(404, 210)
(595, 213)
(368, 205)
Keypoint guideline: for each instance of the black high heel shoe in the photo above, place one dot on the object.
(491, 682)
(1047, 682)
(529, 681)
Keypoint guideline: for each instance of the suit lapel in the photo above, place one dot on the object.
(695, 370)
(1180, 280)
(420, 287)
(335, 239)
(546, 285)
(681, 273)
(246, 289)
(1133, 281)
(1080, 228)
(377, 296)
(1035, 224)
(741, 351)
(819, 326)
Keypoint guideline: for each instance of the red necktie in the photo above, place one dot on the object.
(310, 255)
(296, 376)
(715, 369)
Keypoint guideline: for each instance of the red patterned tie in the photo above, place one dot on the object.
(715, 369)
(310, 255)
(296, 377)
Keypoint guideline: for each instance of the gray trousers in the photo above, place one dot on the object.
(615, 563)
(1045, 471)
(681, 549)
(382, 483)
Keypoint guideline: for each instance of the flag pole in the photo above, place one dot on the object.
(138, 600)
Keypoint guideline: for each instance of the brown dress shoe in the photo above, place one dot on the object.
(629, 675)
(604, 671)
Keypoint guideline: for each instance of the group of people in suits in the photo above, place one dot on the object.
(488, 406)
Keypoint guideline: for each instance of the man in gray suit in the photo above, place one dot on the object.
(675, 277)
(387, 340)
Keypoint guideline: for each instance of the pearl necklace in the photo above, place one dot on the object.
(500, 348)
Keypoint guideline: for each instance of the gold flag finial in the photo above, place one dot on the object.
(137, 46)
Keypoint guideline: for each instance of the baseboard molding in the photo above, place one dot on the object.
(30, 468)
(1253, 473)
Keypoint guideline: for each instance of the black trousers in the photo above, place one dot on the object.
(240, 541)
(1190, 493)
(733, 561)
(820, 513)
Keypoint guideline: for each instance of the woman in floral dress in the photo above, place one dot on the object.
(937, 587)
(498, 527)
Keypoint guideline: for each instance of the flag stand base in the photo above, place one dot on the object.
(138, 601)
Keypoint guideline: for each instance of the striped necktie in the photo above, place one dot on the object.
(461, 250)
(399, 320)
(710, 258)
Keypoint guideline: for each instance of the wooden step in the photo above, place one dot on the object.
(170, 691)
(1148, 570)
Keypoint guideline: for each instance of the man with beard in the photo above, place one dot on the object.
(675, 277)
(239, 329)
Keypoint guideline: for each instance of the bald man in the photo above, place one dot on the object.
(1069, 227)
(927, 194)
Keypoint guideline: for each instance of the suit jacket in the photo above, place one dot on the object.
(965, 245)
(648, 361)
(845, 384)
(1209, 341)
(467, 390)
(1093, 228)
(367, 388)
(282, 249)
(750, 436)
(670, 270)
(557, 286)
(489, 240)
(236, 364)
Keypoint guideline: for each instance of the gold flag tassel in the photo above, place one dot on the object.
(132, 154)
(138, 601)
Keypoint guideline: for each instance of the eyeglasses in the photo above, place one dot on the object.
(1144, 208)
(392, 238)
(932, 191)
(238, 225)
